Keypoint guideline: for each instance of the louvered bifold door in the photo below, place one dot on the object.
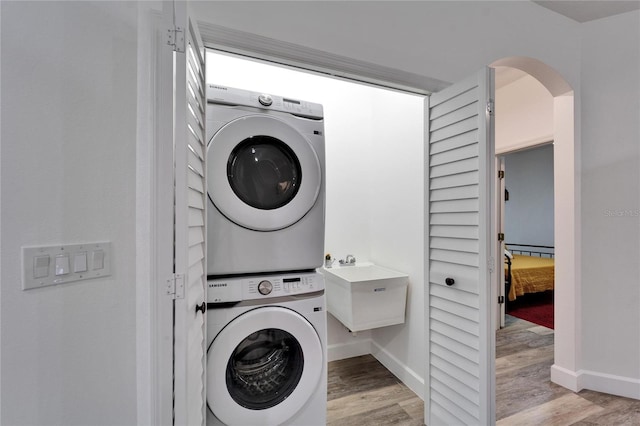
(460, 372)
(190, 230)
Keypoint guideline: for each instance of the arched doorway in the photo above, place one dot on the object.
(566, 218)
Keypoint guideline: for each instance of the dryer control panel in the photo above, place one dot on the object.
(237, 289)
(218, 94)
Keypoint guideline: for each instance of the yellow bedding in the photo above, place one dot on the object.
(530, 274)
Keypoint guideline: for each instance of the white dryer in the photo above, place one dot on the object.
(266, 360)
(265, 180)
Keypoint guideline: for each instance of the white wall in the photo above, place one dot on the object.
(445, 40)
(374, 191)
(611, 201)
(397, 226)
(524, 115)
(529, 211)
(68, 175)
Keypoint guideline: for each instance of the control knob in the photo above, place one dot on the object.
(265, 287)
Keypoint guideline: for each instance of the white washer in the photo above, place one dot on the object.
(265, 180)
(266, 360)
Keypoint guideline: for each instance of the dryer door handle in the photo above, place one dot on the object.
(202, 308)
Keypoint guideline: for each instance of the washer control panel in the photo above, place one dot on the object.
(265, 287)
(236, 289)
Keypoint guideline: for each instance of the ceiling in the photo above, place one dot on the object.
(579, 11)
(588, 10)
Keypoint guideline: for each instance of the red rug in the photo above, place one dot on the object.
(535, 307)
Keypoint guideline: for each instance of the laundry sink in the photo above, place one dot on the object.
(365, 296)
(364, 272)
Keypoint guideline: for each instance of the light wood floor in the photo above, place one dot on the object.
(362, 392)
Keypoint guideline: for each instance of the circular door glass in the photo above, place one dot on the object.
(263, 366)
(255, 167)
(264, 369)
(264, 172)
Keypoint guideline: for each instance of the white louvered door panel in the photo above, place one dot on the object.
(460, 382)
(190, 220)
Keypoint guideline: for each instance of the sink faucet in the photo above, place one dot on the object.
(350, 260)
(328, 261)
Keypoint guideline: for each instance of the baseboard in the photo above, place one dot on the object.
(399, 369)
(348, 350)
(595, 381)
(566, 378)
(608, 383)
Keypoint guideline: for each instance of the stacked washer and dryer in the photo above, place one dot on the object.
(266, 319)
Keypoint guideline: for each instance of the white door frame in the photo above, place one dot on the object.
(154, 224)
(499, 225)
(154, 218)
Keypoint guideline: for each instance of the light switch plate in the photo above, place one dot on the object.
(37, 273)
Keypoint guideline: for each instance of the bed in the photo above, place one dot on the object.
(528, 269)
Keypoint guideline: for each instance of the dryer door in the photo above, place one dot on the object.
(263, 367)
(262, 173)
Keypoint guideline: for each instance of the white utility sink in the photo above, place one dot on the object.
(365, 272)
(365, 295)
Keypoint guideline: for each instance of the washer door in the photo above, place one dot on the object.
(263, 367)
(262, 173)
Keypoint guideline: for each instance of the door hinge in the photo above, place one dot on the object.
(501, 174)
(500, 236)
(500, 300)
(175, 38)
(175, 286)
(490, 108)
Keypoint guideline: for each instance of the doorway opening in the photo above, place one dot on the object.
(527, 204)
(559, 128)
(524, 151)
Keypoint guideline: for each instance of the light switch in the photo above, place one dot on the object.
(62, 264)
(80, 262)
(41, 266)
(59, 264)
(98, 259)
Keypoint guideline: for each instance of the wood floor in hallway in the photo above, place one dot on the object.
(362, 392)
